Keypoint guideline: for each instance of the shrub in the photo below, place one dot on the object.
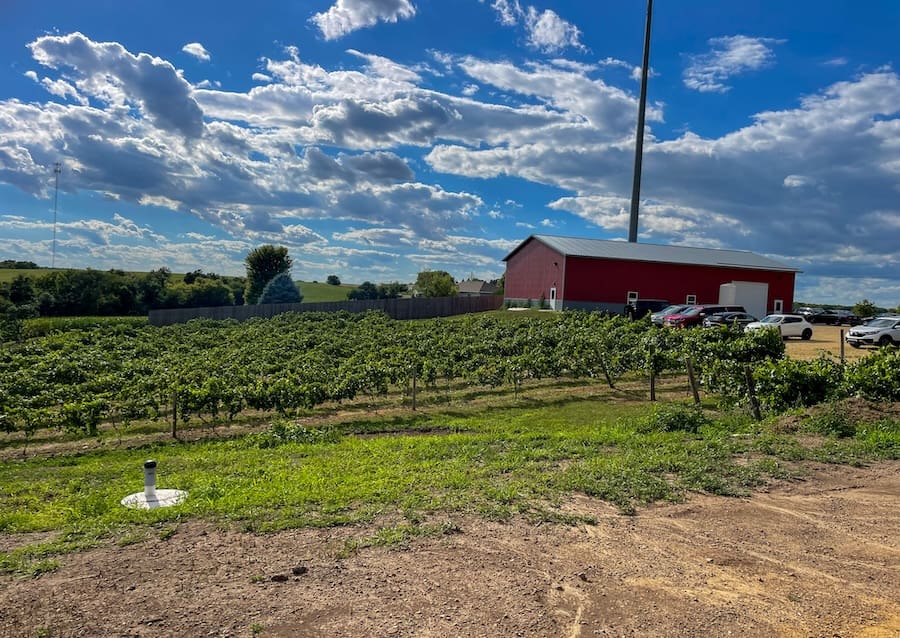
(788, 383)
(875, 377)
(674, 417)
(833, 420)
(282, 432)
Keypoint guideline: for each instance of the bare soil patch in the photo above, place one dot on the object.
(819, 557)
(826, 340)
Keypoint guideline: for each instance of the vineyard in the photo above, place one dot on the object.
(78, 377)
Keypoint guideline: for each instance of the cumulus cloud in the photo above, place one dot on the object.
(346, 16)
(346, 162)
(545, 30)
(729, 56)
(107, 71)
(197, 50)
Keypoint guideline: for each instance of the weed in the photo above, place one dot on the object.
(833, 420)
(674, 417)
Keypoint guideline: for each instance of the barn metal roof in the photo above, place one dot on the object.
(610, 249)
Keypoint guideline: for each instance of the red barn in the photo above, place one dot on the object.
(597, 274)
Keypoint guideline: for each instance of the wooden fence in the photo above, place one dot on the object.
(418, 308)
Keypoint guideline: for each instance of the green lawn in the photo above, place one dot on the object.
(318, 292)
(494, 463)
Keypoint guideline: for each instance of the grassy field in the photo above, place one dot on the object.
(524, 461)
(319, 292)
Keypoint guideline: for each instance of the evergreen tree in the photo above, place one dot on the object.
(281, 289)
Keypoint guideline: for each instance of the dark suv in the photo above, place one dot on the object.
(644, 307)
(694, 315)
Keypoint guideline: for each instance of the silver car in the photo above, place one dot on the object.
(881, 331)
(659, 317)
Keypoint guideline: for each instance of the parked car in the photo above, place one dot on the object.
(643, 307)
(829, 316)
(787, 325)
(694, 315)
(729, 319)
(845, 317)
(882, 331)
(659, 317)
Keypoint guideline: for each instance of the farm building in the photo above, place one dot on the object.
(597, 274)
(476, 287)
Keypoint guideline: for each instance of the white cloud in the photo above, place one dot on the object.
(796, 181)
(346, 16)
(508, 12)
(108, 72)
(320, 157)
(545, 30)
(730, 56)
(197, 50)
(261, 77)
(548, 32)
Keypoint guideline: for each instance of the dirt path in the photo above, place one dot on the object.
(814, 558)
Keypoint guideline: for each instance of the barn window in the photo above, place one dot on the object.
(690, 300)
(779, 305)
(632, 296)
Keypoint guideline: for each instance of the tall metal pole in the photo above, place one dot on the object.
(639, 142)
(56, 170)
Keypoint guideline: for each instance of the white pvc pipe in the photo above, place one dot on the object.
(150, 480)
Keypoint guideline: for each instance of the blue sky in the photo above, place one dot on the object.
(379, 138)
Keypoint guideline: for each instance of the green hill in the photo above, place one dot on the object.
(318, 292)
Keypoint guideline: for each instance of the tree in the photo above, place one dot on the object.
(435, 283)
(281, 289)
(865, 308)
(366, 290)
(21, 290)
(263, 265)
(333, 280)
(391, 290)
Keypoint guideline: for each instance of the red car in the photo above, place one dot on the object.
(694, 315)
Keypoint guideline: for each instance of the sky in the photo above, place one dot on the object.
(376, 139)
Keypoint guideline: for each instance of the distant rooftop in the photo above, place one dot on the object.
(609, 249)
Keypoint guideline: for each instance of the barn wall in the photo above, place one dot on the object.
(531, 272)
(608, 281)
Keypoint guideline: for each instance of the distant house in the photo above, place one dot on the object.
(597, 274)
(476, 287)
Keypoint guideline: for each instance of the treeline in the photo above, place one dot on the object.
(66, 293)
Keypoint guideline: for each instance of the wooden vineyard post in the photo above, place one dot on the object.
(174, 414)
(693, 379)
(414, 388)
(751, 391)
(842, 347)
(652, 376)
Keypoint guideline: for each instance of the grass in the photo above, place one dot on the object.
(319, 292)
(498, 464)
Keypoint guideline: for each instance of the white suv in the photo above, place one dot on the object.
(787, 325)
(881, 331)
